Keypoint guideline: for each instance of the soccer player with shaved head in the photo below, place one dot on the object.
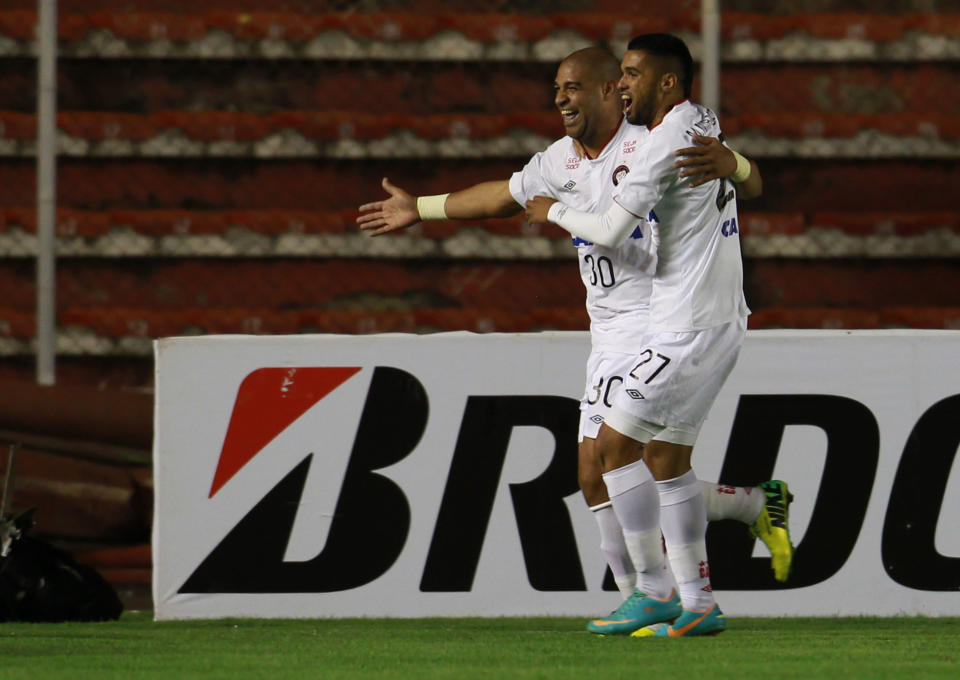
(584, 169)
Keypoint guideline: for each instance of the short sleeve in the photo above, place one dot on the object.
(653, 174)
(531, 181)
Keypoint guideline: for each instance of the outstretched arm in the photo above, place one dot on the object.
(487, 199)
(401, 210)
(712, 159)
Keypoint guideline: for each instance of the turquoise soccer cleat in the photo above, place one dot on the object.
(692, 623)
(637, 611)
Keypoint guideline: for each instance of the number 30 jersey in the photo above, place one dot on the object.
(618, 280)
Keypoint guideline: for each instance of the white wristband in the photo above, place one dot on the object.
(432, 207)
(743, 169)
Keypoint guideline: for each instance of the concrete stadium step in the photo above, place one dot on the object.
(294, 234)
(130, 332)
(361, 135)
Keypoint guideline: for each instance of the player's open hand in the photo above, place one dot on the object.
(397, 212)
(709, 160)
(537, 209)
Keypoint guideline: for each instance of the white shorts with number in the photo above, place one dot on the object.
(605, 371)
(673, 382)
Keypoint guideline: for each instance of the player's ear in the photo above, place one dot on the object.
(668, 82)
(609, 88)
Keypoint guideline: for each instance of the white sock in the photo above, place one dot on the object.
(683, 519)
(633, 494)
(742, 503)
(614, 548)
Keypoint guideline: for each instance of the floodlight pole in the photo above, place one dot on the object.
(46, 191)
(710, 54)
(8, 480)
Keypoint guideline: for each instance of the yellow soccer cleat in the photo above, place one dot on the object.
(648, 631)
(773, 527)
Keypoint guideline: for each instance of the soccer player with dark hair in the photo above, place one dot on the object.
(600, 151)
(697, 322)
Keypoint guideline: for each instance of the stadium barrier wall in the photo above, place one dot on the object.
(434, 475)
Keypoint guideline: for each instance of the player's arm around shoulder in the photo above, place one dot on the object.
(711, 159)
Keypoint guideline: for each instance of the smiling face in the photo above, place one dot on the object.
(587, 103)
(640, 87)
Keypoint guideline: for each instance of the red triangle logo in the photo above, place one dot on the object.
(268, 401)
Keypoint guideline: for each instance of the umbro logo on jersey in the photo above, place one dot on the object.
(598, 419)
(619, 173)
(634, 394)
(568, 186)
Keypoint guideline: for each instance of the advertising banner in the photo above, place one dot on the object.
(435, 475)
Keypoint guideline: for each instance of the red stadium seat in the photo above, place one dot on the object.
(120, 564)
(825, 318)
(216, 126)
(159, 223)
(604, 21)
(921, 317)
(115, 323)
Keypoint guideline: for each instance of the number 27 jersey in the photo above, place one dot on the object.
(618, 280)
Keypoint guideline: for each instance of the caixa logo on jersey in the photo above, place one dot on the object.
(371, 520)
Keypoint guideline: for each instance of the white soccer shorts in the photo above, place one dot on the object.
(674, 381)
(605, 371)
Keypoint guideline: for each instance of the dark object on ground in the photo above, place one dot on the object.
(41, 583)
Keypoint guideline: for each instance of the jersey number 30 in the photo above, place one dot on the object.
(601, 270)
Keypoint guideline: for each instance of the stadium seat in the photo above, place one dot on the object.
(216, 126)
(825, 318)
(182, 223)
(120, 564)
(173, 208)
(397, 33)
(116, 324)
(947, 318)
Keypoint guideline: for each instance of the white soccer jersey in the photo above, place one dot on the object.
(618, 280)
(699, 278)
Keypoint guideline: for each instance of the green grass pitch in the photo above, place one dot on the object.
(554, 648)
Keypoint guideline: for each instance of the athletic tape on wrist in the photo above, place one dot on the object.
(432, 207)
(743, 168)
